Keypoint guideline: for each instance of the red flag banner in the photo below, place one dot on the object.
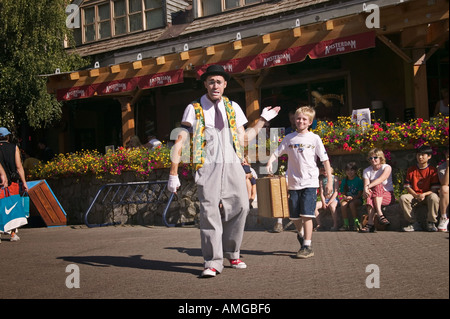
(124, 85)
(343, 45)
(281, 57)
(230, 66)
(75, 92)
(297, 54)
(160, 79)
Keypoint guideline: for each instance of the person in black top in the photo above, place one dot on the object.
(11, 162)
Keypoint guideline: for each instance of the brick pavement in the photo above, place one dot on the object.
(159, 262)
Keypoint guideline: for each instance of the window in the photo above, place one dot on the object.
(104, 14)
(89, 24)
(154, 14)
(119, 17)
(209, 7)
(135, 15)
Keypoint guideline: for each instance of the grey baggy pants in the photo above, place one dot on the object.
(221, 181)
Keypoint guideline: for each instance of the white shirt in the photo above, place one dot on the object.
(370, 174)
(303, 151)
(189, 117)
(219, 144)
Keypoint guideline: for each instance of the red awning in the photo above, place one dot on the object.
(230, 66)
(117, 86)
(343, 45)
(321, 49)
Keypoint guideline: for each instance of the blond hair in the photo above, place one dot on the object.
(306, 110)
(379, 153)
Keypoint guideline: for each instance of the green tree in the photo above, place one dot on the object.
(31, 45)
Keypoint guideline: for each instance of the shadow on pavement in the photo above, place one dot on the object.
(135, 261)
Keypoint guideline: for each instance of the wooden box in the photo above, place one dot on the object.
(272, 197)
(44, 203)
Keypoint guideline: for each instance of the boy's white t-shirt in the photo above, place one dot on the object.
(371, 175)
(302, 151)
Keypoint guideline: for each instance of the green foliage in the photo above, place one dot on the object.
(31, 44)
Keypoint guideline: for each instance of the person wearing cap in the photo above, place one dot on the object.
(11, 161)
(218, 131)
(422, 185)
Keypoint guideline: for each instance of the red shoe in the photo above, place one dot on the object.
(237, 264)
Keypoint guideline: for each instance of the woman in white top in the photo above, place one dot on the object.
(378, 188)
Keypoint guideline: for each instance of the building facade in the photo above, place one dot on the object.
(147, 57)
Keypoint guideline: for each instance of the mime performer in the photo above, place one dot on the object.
(219, 136)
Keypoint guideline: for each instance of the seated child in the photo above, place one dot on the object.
(351, 196)
(327, 202)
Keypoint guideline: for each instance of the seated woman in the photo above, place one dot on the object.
(378, 188)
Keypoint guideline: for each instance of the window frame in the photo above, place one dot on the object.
(242, 4)
(112, 19)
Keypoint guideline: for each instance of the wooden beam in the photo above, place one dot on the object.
(414, 36)
(210, 50)
(239, 81)
(420, 84)
(412, 13)
(184, 55)
(128, 124)
(115, 68)
(160, 60)
(94, 73)
(297, 32)
(74, 76)
(136, 96)
(437, 32)
(237, 45)
(394, 48)
(137, 65)
(252, 100)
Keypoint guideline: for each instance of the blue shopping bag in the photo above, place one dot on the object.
(14, 211)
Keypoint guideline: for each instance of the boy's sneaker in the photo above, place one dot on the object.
(15, 238)
(209, 272)
(237, 264)
(305, 252)
(443, 224)
(431, 227)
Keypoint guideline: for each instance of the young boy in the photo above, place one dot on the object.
(422, 185)
(303, 148)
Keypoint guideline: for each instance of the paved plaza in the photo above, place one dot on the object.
(159, 262)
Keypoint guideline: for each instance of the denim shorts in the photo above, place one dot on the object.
(302, 203)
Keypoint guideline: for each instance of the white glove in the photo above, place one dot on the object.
(269, 169)
(269, 113)
(173, 183)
